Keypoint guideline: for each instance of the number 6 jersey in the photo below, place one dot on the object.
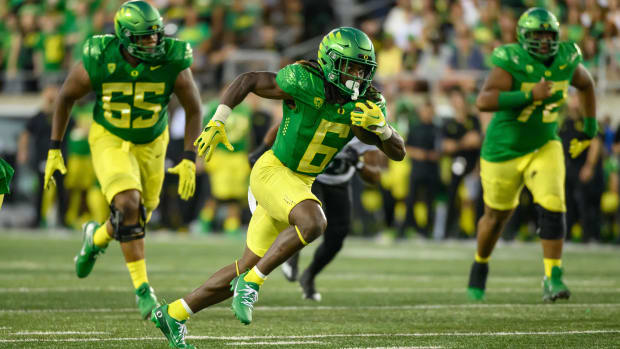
(312, 131)
(516, 132)
(132, 102)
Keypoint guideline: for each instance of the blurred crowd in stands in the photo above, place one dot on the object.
(432, 56)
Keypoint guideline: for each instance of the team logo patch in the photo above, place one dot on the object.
(318, 102)
(111, 67)
(134, 73)
(529, 68)
(547, 73)
(341, 111)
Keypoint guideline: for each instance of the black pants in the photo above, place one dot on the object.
(337, 201)
(426, 188)
(451, 227)
(583, 204)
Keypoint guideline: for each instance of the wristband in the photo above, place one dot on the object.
(189, 155)
(590, 126)
(55, 144)
(386, 134)
(221, 113)
(514, 99)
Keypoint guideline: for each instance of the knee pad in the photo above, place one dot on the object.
(125, 233)
(551, 225)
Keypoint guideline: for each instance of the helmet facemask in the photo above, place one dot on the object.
(146, 53)
(533, 43)
(353, 85)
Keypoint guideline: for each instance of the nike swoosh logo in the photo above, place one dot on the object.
(155, 67)
(562, 67)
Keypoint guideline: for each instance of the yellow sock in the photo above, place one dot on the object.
(481, 260)
(101, 237)
(179, 310)
(255, 276)
(231, 224)
(549, 264)
(137, 270)
(1, 199)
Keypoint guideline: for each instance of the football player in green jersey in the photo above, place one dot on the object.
(321, 102)
(526, 89)
(133, 75)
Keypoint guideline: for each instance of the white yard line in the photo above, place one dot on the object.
(45, 333)
(371, 290)
(395, 348)
(275, 343)
(326, 307)
(366, 335)
(431, 334)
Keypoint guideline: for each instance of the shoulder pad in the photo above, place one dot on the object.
(96, 45)
(179, 53)
(510, 57)
(301, 82)
(571, 52)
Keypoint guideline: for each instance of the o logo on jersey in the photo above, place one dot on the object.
(318, 102)
(134, 73)
(341, 111)
(111, 67)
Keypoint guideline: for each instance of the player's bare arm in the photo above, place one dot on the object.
(582, 80)
(394, 147)
(189, 97)
(496, 92)
(262, 84)
(76, 86)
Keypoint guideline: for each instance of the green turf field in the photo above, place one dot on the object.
(406, 295)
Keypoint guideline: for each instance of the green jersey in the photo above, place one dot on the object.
(312, 132)
(237, 125)
(516, 132)
(132, 102)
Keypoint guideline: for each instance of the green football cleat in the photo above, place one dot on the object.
(554, 288)
(244, 297)
(146, 300)
(475, 294)
(85, 260)
(477, 281)
(174, 330)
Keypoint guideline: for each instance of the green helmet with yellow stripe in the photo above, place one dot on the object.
(537, 20)
(342, 47)
(135, 19)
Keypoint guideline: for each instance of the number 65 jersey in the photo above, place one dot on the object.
(131, 102)
(516, 132)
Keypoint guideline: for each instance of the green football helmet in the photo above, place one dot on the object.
(341, 47)
(538, 20)
(135, 19)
